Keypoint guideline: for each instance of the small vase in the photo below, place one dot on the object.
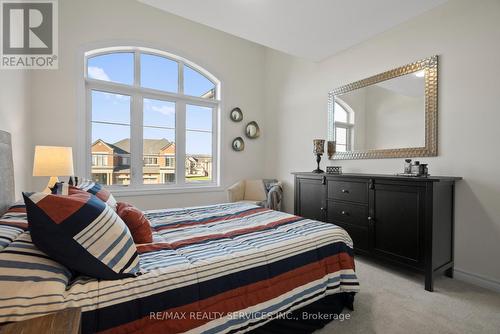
(330, 148)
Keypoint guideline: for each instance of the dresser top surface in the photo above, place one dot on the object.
(430, 178)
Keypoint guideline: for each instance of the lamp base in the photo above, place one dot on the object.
(52, 182)
(318, 171)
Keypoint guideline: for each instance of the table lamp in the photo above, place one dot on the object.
(53, 161)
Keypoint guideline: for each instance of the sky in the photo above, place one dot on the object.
(158, 116)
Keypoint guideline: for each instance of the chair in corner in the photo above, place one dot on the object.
(267, 193)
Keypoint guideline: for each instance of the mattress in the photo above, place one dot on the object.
(213, 269)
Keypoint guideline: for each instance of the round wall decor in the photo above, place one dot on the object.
(236, 115)
(238, 144)
(252, 130)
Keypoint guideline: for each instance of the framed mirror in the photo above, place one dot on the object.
(389, 115)
(236, 115)
(238, 144)
(252, 130)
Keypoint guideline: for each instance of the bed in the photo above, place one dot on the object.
(223, 268)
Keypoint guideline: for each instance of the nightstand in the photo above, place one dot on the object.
(62, 322)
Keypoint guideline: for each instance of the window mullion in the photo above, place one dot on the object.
(136, 141)
(215, 145)
(137, 68)
(87, 160)
(111, 87)
(136, 120)
(180, 89)
(180, 142)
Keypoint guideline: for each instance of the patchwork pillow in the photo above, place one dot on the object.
(92, 187)
(83, 233)
(137, 223)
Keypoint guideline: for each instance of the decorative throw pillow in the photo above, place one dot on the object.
(83, 233)
(92, 187)
(137, 223)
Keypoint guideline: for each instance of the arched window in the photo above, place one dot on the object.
(344, 126)
(152, 119)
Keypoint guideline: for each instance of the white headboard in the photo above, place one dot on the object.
(6, 172)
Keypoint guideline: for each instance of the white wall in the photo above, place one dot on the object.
(239, 64)
(14, 109)
(466, 35)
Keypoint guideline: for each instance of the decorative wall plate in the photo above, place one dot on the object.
(238, 144)
(252, 130)
(236, 115)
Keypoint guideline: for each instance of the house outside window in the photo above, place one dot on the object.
(170, 161)
(99, 159)
(153, 119)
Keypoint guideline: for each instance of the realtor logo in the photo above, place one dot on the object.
(29, 34)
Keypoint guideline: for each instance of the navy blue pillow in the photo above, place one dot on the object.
(83, 233)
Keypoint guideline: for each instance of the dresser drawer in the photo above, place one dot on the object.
(348, 191)
(352, 214)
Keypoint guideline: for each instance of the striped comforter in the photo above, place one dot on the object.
(213, 269)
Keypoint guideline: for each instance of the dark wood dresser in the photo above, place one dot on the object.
(403, 220)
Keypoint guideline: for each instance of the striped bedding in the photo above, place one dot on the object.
(213, 269)
(12, 224)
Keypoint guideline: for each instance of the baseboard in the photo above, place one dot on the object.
(476, 279)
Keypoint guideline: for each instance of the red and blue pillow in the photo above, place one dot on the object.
(83, 233)
(91, 187)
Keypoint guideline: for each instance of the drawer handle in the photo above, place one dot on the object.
(345, 213)
(371, 220)
(323, 209)
(345, 191)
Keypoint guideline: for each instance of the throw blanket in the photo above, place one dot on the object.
(213, 269)
(274, 193)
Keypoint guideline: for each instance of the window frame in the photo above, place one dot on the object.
(137, 95)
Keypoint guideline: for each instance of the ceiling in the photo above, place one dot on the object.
(311, 29)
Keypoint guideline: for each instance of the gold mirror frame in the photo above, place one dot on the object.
(430, 66)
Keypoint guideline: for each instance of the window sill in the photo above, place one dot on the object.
(147, 191)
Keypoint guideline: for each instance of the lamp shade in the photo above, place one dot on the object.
(53, 161)
(318, 146)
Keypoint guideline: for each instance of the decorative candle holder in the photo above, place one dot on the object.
(318, 149)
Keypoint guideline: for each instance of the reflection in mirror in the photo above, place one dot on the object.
(387, 115)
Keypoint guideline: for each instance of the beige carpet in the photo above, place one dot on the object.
(394, 301)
